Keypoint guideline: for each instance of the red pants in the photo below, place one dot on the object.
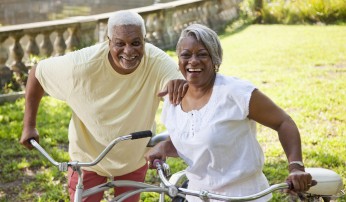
(91, 179)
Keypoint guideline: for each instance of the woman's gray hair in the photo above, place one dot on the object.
(208, 37)
(125, 17)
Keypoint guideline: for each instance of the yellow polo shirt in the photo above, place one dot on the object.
(106, 104)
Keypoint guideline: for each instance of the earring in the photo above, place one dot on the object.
(216, 68)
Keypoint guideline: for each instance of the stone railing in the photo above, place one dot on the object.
(21, 44)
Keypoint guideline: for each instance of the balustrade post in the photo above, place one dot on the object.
(46, 44)
(149, 26)
(32, 47)
(59, 43)
(5, 71)
(16, 51)
(89, 34)
(72, 41)
(102, 31)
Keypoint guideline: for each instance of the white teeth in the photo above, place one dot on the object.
(194, 70)
(130, 58)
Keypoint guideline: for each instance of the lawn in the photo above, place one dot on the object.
(301, 68)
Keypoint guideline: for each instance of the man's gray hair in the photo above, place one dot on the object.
(125, 17)
(208, 37)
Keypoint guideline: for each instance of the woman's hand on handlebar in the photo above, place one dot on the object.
(161, 151)
(155, 153)
(27, 134)
(301, 181)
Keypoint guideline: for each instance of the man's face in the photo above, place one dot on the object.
(126, 48)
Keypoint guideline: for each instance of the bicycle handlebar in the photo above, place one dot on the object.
(203, 194)
(141, 134)
(63, 165)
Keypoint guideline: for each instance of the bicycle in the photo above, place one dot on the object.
(329, 184)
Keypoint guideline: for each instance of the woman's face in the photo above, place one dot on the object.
(126, 48)
(195, 62)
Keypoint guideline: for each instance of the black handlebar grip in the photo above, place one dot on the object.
(29, 140)
(141, 134)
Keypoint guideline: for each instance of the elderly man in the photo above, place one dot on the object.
(112, 89)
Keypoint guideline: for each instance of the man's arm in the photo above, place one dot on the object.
(33, 95)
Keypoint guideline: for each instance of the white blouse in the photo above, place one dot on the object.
(218, 142)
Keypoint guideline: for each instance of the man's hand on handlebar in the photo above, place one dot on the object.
(27, 134)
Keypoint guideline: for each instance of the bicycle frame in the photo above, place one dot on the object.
(329, 188)
(76, 166)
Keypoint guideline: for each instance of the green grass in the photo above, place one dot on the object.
(302, 68)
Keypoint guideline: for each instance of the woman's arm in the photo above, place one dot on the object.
(264, 111)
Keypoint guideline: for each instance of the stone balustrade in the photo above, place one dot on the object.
(20, 44)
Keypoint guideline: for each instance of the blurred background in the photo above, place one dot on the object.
(14, 12)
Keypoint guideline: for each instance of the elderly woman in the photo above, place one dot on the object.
(214, 127)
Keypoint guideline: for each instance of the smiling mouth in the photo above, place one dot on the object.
(128, 58)
(191, 70)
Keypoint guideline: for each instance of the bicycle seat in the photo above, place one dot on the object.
(158, 138)
(328, 182)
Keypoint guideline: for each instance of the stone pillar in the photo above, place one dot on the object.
(16, 52)
(59, 43)
(5, 71)
(149, 26)
(32, 47)
(102, 30)
(72, 41)
(46, 44)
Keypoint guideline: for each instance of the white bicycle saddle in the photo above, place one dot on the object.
(328, 182)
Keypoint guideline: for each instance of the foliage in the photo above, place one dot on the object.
(297, 11)
(11, 87)
(301, 68)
